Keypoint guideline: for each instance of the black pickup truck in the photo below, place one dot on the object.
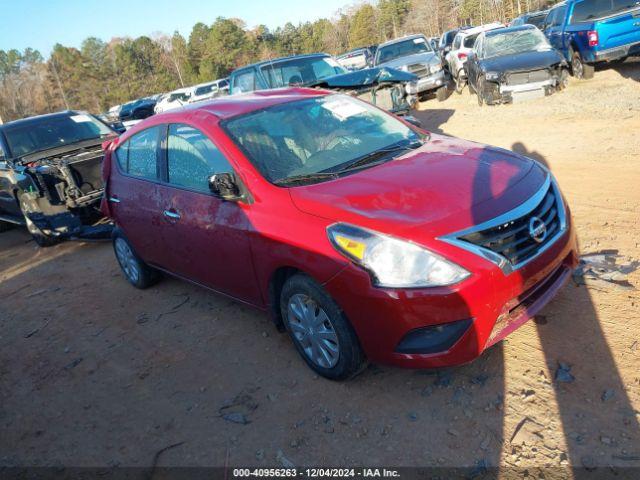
(50, 175)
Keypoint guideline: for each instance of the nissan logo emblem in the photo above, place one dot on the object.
(537, 229)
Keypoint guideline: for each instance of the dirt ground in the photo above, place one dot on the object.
(96, 373)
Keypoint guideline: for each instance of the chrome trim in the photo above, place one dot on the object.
(114, 199)
(518, 212)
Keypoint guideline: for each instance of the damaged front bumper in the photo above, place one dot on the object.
(426, 83)
(504, 91)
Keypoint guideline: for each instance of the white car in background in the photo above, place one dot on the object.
(461, 47)
(172, 100)
(209, 90)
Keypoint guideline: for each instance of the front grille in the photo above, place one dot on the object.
(514, 240)
(522, 78)
(419, 69)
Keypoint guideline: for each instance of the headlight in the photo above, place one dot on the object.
(394, 263)
(492, 76)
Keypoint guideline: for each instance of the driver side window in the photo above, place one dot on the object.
(192, 158)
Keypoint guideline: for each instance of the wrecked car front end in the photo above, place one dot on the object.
(60, 193)
(514, 86)
(390, 89)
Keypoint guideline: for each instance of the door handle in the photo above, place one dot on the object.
(114, 199)
(172, 214)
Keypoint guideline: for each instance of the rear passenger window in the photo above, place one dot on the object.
(192, 158)
(138, 156)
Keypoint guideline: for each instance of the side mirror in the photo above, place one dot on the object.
(225, 186)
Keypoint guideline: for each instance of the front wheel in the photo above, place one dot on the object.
(38, 235)
(580, 69)
(479, 91)
(319, 329)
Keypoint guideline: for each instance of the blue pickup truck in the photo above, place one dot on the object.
(592, 31)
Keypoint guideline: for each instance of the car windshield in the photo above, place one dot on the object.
(320, 135)
(204, 89)
(515, 42)
(402, 49)
(36, 135)
(174, 97)
(300, 71)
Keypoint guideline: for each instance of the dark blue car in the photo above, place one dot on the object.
(592, 31)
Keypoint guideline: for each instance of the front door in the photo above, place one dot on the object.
(206, 239)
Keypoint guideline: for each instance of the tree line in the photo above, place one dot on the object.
(100, 74)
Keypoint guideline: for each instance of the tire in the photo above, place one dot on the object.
(137, 273)
(479, 91)
(319, 329)
(579, 69)
(38, 235)
(441, 93)
(564, 80)
(459, 85)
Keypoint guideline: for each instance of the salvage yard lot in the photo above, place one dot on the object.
(96, 373)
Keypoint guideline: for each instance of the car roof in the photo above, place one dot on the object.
(38, 118)
(500, 31)
(401, 39)
(480, 29)
(279, 59)
(243, 103)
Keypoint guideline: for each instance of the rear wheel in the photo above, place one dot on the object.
(579, 68)
(138, 273)
(319, 329)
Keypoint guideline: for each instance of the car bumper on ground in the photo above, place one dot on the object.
(441, 327)
(430, 82)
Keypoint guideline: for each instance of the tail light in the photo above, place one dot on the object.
(592, 35)
(462, 56)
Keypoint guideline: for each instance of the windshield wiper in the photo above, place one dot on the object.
(373, 156)
(306, 177)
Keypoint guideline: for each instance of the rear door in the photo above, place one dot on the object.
(133, 193)
(616, 21)
(206, 239)
(555, 27)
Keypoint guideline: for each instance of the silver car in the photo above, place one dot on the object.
(414, 54)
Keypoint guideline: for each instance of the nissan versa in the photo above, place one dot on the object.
(362, 235)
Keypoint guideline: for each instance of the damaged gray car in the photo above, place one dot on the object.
(386, 88)
(50, 176)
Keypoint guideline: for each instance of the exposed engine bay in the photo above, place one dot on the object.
(63, 198)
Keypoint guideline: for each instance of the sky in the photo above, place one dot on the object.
(40, 24)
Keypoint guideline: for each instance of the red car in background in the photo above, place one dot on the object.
(362, 235)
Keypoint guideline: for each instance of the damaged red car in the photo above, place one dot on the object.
(362, 235)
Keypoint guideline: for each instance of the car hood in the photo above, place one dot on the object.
(65, 150)
(364, 78)
(444, 186)
(522, 61)
(425, 57)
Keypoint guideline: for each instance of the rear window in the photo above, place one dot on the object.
(138, 156)
(589, 10)
(470, 40)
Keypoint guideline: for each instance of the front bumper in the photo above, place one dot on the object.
(495, 303)
(496, 93)
(429, 82)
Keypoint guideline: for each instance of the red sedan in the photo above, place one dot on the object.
(362, 235)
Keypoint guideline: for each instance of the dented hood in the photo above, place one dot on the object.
(365, 78)
(444, 186)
